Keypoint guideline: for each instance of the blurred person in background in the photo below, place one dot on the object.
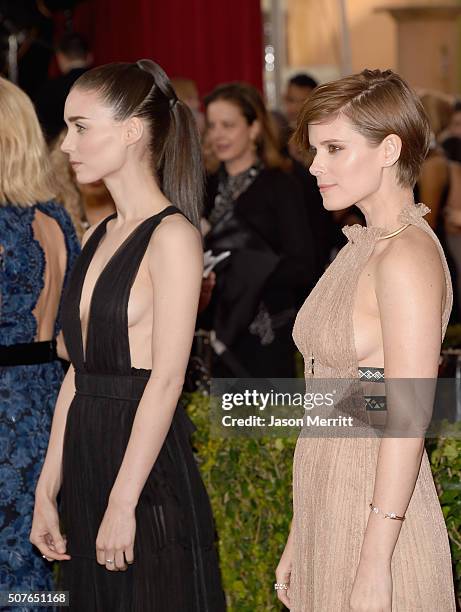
(255, 209)
(186, 90)
(433, 182)
(299, 88)
(38, 246)
(452, 218)
(74, 58)
(31, 25)
(454, 126)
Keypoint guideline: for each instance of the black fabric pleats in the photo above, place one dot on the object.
(176, 564)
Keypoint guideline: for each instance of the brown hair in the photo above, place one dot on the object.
(250, 103)
(378, 103)
(25, 171)
(143, 90)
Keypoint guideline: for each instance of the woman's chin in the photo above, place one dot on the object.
(332, 206)
(223, 158)
(83, 179)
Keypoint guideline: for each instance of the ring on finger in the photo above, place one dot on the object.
(281, 586)
(109, 560)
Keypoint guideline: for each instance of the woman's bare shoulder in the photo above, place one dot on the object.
(410, 258)
(175, 229)
(175, 246)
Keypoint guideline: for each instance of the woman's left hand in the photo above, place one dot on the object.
(372, 589)
(115, 540)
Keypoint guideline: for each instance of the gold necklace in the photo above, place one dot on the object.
(397, 231)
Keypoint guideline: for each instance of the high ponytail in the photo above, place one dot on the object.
(183, 170)
(143, 90)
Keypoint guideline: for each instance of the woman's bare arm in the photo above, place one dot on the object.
(410, 293)
(175, 261)
(49, 483)
(45, 532)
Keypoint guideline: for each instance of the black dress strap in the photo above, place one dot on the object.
(107, 342)
(70, 315)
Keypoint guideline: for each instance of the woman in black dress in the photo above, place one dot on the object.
(255, 208)
(131, 495)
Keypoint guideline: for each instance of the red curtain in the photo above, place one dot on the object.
(209, 41)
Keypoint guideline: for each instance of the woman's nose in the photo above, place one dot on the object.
(316, 167)
(213, 133)
(65, 145)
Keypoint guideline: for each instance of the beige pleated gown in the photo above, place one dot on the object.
(333, 477)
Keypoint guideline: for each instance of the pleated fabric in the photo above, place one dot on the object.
(333, 477)
(176, 564)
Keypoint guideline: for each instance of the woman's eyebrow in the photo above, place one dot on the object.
(76, 118)
(331, 140)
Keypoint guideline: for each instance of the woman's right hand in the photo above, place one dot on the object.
(45, 533)
(283, 572)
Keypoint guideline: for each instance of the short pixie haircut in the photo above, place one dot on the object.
(377, 103)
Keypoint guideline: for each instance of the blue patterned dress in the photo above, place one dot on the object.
(27, 393)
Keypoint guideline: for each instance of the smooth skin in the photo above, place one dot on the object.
(161, 319)
(396, 319)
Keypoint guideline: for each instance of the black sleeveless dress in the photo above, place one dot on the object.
(175, 565)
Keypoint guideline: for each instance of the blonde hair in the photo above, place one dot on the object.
(377, 103)
(67, 192)
(25, 171)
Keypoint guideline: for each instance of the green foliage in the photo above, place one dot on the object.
(249, 483)
(445, 458)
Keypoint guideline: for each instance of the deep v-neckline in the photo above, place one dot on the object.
(105, 269)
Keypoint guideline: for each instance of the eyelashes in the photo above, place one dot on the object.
(331, 149)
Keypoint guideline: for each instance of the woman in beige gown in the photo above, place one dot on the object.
(380, 311)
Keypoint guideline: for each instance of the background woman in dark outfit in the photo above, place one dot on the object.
(255, 209)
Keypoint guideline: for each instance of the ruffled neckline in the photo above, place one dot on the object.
(409, 214)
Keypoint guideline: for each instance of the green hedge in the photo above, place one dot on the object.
(445, 458)
(249, 483)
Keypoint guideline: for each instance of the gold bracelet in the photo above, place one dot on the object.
(391, 515)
